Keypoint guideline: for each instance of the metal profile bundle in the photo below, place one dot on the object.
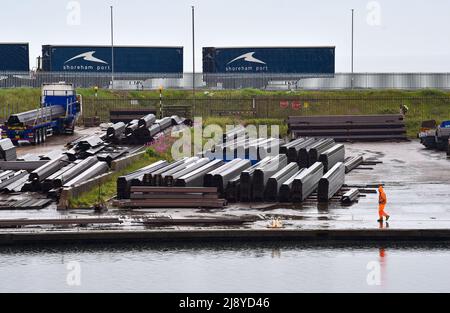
(89, 143)
(26, 204)
(332, 156)
(147, 121)
(234, 148)
(263, 173)
(131, 128)
(353, 163)
(232, 135)
(128, 115)
(196, 178)
(270, 147)
(7, 150)
(246, 181)
(17, 176)
(48, 169)
(350, 196)
(209, 177)
(315, 152)
(71, 173)
(221, 178)
(172, 197)
(49, 183)
(176, 120)
(285, 194)
(109, 154)
(292, 149)
(170, 179)
(167, 177)
(52, 155)
(331, 183)
(303, 153)
(124, 182)
(96, 170)
(232, 192)
(306, 182)
(154, 179)
(276, 181)
(21, 165)
(17, 185)
(164, 123)
(31, 117)
(116, 131)
(350, 127)
(6, 174)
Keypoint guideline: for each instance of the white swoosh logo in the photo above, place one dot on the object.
(249, 58)
(87, 56)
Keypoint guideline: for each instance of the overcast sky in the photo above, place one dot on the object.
(390, 36)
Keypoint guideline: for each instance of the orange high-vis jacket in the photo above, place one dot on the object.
(383, 198)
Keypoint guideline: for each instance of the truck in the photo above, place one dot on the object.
(60, 107)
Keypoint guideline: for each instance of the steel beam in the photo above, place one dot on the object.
(307, 182)
(332, 156)
(276, 181)
(331, 183)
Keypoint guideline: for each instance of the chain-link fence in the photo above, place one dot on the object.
(263, 108)
(136, 81)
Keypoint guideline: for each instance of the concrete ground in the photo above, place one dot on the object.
(57, 142)
(417, 185)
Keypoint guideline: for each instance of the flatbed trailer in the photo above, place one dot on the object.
(58, 113)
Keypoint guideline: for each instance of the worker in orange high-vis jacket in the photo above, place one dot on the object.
(382, 205)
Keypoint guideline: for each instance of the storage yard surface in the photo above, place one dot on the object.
(415, 179)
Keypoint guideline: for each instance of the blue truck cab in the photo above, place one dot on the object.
(58, 113)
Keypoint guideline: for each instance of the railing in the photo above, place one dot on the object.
(151, 81)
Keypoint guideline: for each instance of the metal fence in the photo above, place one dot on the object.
(263, 108)
(133, 81)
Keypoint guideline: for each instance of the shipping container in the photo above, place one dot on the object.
(98, 59)
(275, 60)
(14, 57)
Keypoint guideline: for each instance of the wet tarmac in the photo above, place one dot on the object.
(416, 180)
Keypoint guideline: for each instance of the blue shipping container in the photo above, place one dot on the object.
(98, 59)
(289, 60)
(14, 57)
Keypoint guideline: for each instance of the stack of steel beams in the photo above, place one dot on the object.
(124, 183)
(276, 181)
(128, 115)
(293, 148)
(246, 180)
(307, 182)
(352, 163)
(7, 150)
(286, 189)
(350, 196)
(172, 197)
(332, 156)
(263, 173)
(349, 127)
(220, 177)
(331, 183)
(314, 152)
(197, 177)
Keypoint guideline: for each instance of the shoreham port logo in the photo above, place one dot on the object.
(87, 56)
(250, 58)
